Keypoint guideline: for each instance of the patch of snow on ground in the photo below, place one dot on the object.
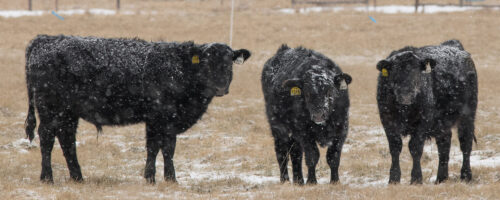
(478, 158)
(390, 9)
(21, 145)
(259, 180)
(94, 11)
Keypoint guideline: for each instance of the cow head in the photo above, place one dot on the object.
(403, 72)
(216, 67)
(319, 87)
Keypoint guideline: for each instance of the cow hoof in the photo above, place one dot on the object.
(47, 180)
(298, 182)
(334, 182)
(440, 180)
(170, 180)
(416, 182)
(467, 178)
(311, 182)
(80, 180)
(394, 182)
(150, 180)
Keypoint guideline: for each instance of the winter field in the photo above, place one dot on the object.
(229, 153)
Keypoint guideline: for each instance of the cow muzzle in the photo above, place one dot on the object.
(319, 118)
(221, 91)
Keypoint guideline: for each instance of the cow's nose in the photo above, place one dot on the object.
(319, 118)
(221, 91)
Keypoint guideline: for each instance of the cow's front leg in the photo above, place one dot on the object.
(312, 156)
(153, 141)
(443, 141)
(296, 157)
(416, 147)
(333, 159)
(168, 150)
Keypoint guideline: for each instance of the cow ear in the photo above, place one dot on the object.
(290, 83)
(383, 64)
(342, 80)
(428, 65)
(294, 86)
(240, 56)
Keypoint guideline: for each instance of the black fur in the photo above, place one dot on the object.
(120, 82)
(318, 115)
(427, 91)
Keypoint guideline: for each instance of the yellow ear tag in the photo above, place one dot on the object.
(295, 91)
(195, 59)
(385, 73)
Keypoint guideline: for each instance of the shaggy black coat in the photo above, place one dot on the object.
(423, 92)
(316, 114)
(118, 82)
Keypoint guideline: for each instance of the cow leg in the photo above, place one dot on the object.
(312, 156)
(466, 136)
(282, 149)
(168, 150)
(67, 139)
(46, 144)
(395, 146)
(153, 141)
(443, 141)
(296, 157)
(333, 159)
(416, 147)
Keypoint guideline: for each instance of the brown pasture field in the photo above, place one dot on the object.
(229, 153)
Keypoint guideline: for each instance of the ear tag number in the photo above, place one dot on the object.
(385, 73)
(343, 85)
(195, 59)
(295, 91)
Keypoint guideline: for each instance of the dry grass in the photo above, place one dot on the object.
(231, 145)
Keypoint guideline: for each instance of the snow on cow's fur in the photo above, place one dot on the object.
(423, 92)
(307, 102)
(118, 82)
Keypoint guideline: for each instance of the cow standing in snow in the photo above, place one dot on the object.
(423, 92)
(307, 102)
(118, 82)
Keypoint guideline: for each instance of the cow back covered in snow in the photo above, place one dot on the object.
(423, 92)
(118, 82)
(307, 102)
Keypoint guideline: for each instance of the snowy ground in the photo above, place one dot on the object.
(389, 9)
(229, 154)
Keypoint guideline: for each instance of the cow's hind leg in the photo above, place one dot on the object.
(416, 147)
(153, 140)
(312, 156)
(47, 138)
(296, 157)
(66, 134)
(168, 150)
(466, 136)
(443, 141)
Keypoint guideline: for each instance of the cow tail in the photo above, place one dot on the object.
(30, 123)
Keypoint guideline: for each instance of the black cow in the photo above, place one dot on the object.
(307, 102)
(119, 82)
(423, 92)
